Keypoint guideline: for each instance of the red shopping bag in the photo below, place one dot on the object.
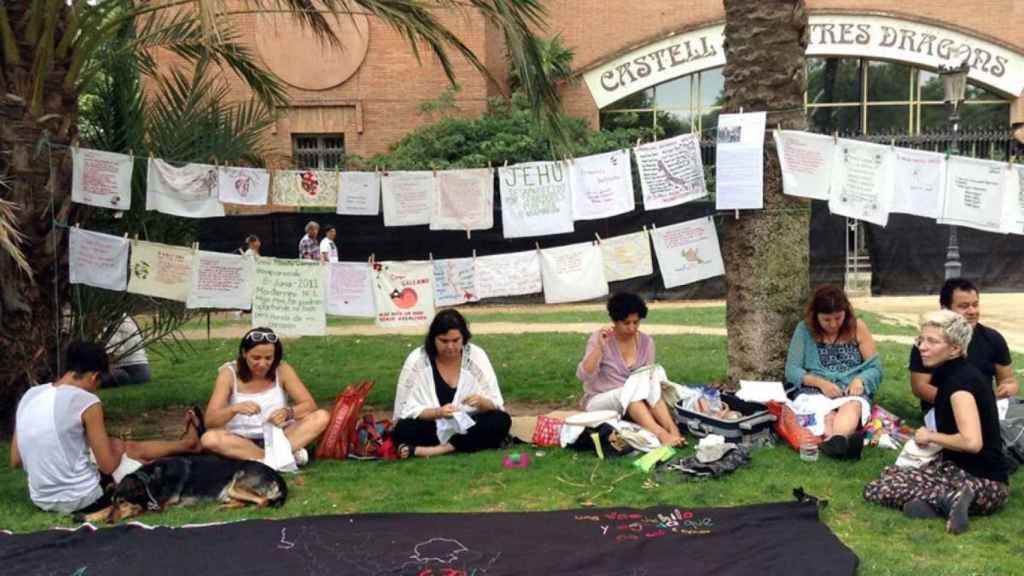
(340, 433)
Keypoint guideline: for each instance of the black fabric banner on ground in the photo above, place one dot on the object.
(783, 538)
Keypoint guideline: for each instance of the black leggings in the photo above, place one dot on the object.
(489, 432)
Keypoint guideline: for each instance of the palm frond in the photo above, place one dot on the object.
(8, 46)
(11, 238)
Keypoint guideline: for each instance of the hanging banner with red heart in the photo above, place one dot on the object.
(404, 293)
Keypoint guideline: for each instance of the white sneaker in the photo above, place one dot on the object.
(301, 457)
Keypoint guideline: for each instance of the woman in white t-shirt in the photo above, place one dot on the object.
(58, 424)
(256, 389)
(328, 249)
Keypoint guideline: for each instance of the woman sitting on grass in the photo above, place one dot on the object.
(253, 390)
(971, 476)
(58, 424)
(448, 398)
(612, 353)
(832, 359)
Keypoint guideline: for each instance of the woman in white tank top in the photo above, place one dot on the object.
(259, 388)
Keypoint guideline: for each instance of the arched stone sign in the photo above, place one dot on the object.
(865, 36)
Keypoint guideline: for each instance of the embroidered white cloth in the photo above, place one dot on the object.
(811, 410)
(221, 281)
(602, 185)
(806, 163)
(463, 200)
(289, 296)
(160, 270)
(240, 185)
(671, 171)
(974, 193)
(277, 450)
(317, 188)
(98, 259)
(416, 390)
(511, 274)
(101, 178)
(460, 423)
(919, 182)
(407, 197)
(189, 191)
(627, 256)
(454, 282)
(404, 293)
(359, 194)
(688, 252)
(350, 290)
(535, 199)
(861, 181)
(573, 273)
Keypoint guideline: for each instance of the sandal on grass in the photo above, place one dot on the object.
(405, 451)
(194, 417)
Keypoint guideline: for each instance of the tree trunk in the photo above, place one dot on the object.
(766, 251)
(30, 334)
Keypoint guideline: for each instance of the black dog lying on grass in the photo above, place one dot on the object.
(185, 480)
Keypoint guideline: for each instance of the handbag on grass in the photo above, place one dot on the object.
(340, 433)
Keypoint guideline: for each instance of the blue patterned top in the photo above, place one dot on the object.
(839, 357)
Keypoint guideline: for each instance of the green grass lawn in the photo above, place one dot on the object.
(540, 368)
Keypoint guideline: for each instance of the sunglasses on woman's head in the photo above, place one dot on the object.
(259, 336)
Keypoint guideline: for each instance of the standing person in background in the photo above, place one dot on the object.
(254, 244)
(131, 365)
(328, 249)
(309, 248)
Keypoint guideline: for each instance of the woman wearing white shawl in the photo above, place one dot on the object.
(448, 398)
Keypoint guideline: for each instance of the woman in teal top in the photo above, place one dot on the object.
(832, 353)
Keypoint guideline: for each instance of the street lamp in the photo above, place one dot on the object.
(954, 82)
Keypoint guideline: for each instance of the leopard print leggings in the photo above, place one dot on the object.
(930, 483)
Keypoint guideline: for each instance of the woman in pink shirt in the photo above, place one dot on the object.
(612, 354)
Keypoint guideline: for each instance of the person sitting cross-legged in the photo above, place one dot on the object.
(58, 424)
(448, 399)
(971, 475)
(612, 354)
(259, 388)
(833, 361)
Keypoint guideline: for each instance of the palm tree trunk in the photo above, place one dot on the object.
(766, 251)
(29, 332)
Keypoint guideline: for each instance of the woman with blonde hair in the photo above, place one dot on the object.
(971, 475)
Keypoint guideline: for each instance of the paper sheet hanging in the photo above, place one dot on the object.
(454, 282)
(806, 163)
(919, 182)
(974, 193)
(739, 161)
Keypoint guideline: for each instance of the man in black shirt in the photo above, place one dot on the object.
(988, 351)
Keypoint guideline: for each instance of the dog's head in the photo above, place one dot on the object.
(137, 493)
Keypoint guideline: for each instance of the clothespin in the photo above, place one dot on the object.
(125, 235)
(474, 253)
(741, 109)
(195, 246)
(645, 229)
(537, 244)
(430, 255)
(489, 164)
(835, 136)
(469, 234)
(131, 152)
(136, 236)
(638, 141)
(737, 214)
(77, 225)
(598, 237)
(506, 163)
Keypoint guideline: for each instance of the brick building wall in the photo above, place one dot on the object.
(379, 103)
